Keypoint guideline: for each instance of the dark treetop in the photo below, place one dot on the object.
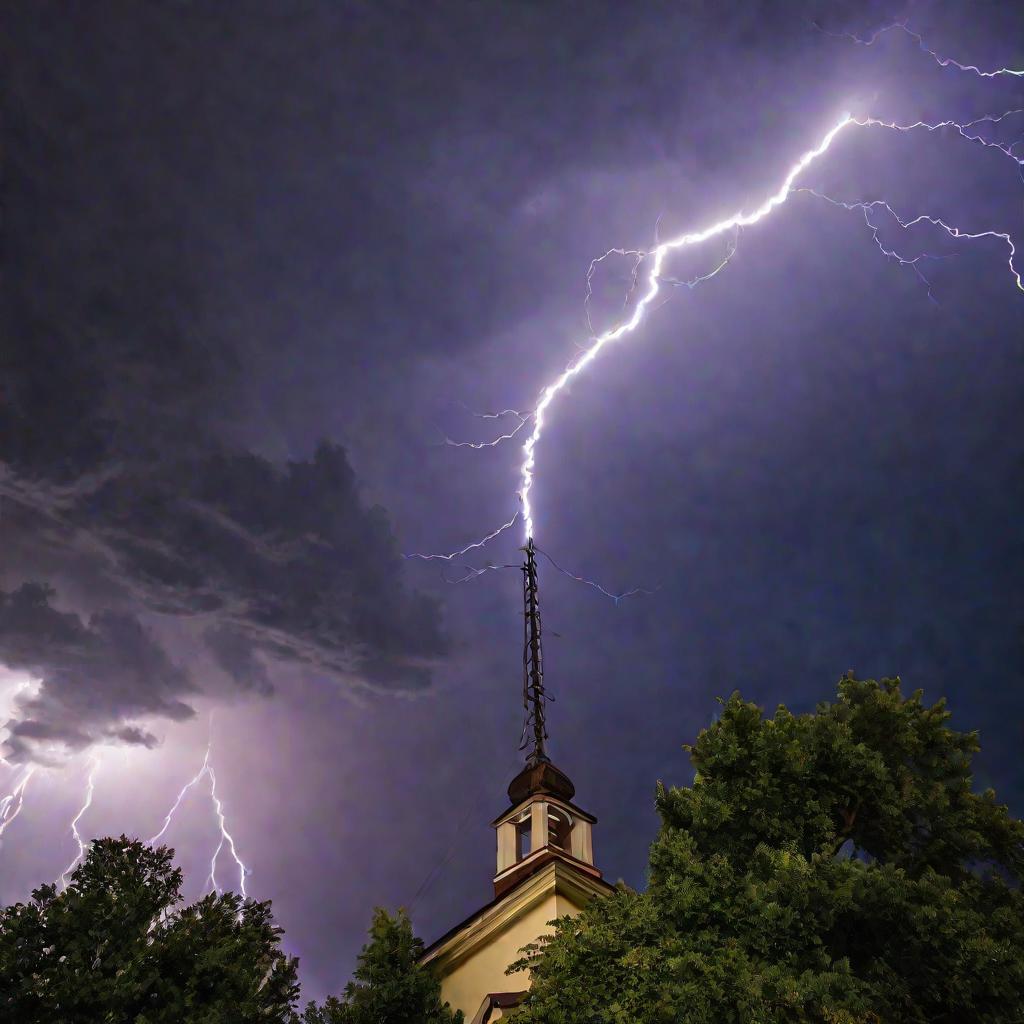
(827, 867)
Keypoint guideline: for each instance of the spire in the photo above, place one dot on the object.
(541, 824)
(539, 776)
(534, 697)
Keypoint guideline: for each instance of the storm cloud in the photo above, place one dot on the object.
(261, 259)
(124, 452)
(277, 564)
(95, 676)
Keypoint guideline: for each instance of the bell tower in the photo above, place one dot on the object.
(542, 825)
(545, 862)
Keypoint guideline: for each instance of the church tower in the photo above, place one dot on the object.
(545, 859)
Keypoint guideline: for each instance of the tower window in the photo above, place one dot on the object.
(559, 828)
(524, 826)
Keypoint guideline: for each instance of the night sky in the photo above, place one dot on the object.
(261, 260)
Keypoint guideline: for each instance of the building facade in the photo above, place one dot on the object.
(545, 870)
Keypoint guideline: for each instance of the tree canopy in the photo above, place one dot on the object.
(828, 867)
(116, 947)
(389, 985)
(833, 867)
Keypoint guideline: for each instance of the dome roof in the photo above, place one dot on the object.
(541, 777)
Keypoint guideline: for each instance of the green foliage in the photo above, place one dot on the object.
(832, 867)
(390, 986)
(115, 948)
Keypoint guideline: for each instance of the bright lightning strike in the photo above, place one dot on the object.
(11, 804)
(964, 130)
(943, 62)
(597, 586)
(524, 418)
(181, 796)
(692, 282)
(451, 556)
(737, 220)
(637, 255)
(225, 836)
(654, 280)
(913, 262)
(471, 572)
(499, 415)
(937, 222)
(206, 771)
(87, 803)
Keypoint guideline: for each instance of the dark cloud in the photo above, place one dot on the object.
(284, 561)
(125, 391)
(233, 230)
(95, 676)
(233, 653)
(134, 735)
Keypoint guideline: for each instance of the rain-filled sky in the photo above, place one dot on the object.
(264, 262)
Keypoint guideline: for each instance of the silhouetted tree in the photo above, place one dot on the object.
(828, 867)
(389, 984)
(116, 946)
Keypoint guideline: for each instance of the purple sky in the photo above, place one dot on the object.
(260, 264)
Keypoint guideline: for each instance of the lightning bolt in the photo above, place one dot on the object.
(12, 709)
(11, 804)
(951, 230)
(964, 130)
(470, 572)
(87, 803)
(225, 836)
(943, 62)
(693, 238)
(181, 796)
(597, 586)
(637, 255)
(656, 280)
(474, 545)
(654, 276)
(206, 771)
(692, 282)
(523, 417)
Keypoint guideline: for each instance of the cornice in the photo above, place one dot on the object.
(514, 874)
(557, 800)
(555, 878)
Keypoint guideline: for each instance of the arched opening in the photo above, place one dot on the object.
(559, 828)
(524, 825)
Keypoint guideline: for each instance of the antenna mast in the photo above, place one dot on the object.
(534, 697)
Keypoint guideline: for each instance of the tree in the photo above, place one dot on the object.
(829, 867)
(115, 948)
(389, 985)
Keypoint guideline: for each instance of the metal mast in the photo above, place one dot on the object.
(534, 697)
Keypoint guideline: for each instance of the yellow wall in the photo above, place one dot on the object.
(484, 970)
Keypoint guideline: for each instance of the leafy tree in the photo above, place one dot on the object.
(390, 986)
(115, 948)
(829, 867)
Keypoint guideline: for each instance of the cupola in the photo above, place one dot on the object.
(542, 824)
